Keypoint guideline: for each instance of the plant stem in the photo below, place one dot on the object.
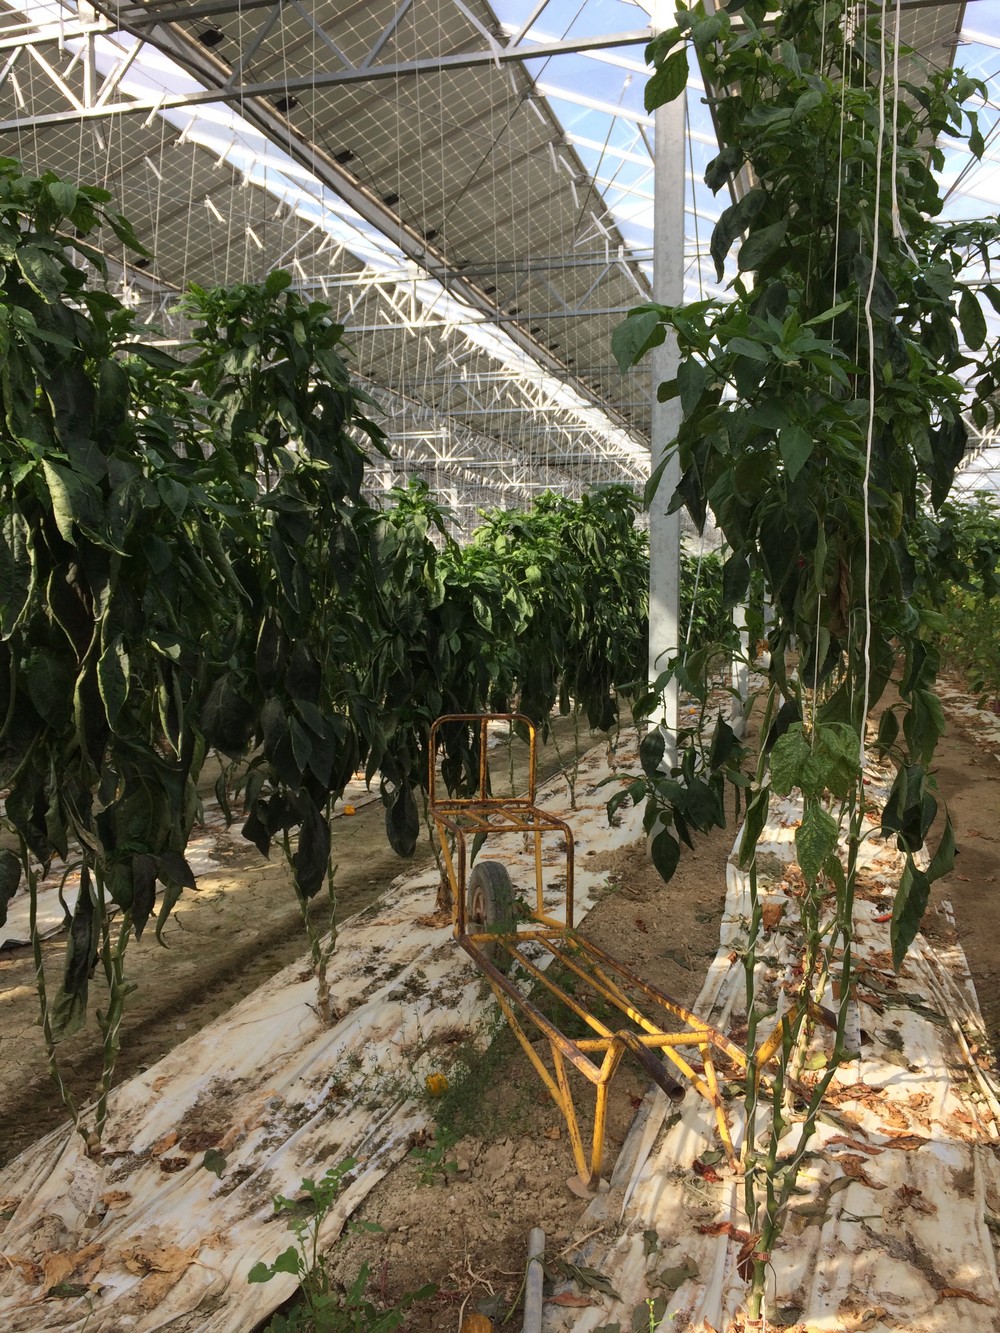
(55, 1073)
(113, 958)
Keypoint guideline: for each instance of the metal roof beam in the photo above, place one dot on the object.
(285, 86)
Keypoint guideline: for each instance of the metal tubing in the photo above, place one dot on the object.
(534, 1277)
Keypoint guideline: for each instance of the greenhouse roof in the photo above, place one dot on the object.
(470, 187)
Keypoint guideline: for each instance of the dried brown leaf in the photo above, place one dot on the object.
(911, 1142)
(961, 1293)
(82, 1265)
(854, 1167)
(868, 1148)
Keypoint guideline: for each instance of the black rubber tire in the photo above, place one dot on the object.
(489, 906)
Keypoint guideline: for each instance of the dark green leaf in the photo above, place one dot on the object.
(733, 223)
(760, 246)
(668, 82)
(943, 860)
(796, 445)
(10, 878)
(215, 1162)
(789, 756)
(638, 332)
(402, 821)
(143, 890)
(753, 826)
(888, 730)
(227, 718)
(665, 852)
(815, 840)
(721, 168)
(69, 1008)
(908, 910)
(692, 377)
(651, 750)
(312, 860)
(735, 580)
(972, 320)
(112, 679)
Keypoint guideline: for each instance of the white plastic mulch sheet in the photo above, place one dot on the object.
(146, 1237)
(983, 723)
(895, 1220)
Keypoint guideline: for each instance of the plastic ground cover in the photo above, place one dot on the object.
(146, 1237)
(896, 1225)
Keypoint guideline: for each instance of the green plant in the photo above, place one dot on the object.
(957, 583)
(275, 395)
(821, 414)
(327, 1307)
(434, 1162)
(108, 635)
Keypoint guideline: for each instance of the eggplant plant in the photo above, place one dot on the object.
(822, 415)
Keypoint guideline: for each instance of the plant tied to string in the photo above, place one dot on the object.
(822, 420)
(276, 397)
(107, 633)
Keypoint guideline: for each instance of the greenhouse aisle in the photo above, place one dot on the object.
(896, 1216)
(293, 1098)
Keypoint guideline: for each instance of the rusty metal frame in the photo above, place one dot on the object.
(675, 1038)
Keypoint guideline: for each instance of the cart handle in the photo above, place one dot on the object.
(654, 1068)
(483, 720)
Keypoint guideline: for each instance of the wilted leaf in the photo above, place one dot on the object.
(584, 1277)
(10, 878)
(676, 1276)
(649, 1312)
(214, 1161)
(961, 1293)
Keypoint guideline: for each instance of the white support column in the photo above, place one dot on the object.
(668, 289)
(741, 674)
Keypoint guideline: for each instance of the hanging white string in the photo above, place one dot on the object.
(844, 80)
(870, 329)
(701, 297)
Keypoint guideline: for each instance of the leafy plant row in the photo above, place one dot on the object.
(823, 403)
(190, 561)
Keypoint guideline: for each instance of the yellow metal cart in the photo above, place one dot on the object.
(499, 930)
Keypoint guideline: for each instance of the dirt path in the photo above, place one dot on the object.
(240, 928)
(465, 1227)
(458, 1212)
(968, 775)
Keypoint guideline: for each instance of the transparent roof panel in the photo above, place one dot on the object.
(549, 158)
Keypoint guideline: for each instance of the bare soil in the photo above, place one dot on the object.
(465, 1228)
(239, 928)
(457, 1213)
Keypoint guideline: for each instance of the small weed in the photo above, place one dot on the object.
(327, 1306)
(470, 1104)
(433, 1161)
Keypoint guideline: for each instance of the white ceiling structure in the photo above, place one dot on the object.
(470, 187)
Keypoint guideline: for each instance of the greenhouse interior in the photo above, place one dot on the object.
(499, 666)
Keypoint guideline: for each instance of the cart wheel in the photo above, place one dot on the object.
(490, 906)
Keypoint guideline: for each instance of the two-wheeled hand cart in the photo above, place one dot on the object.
(500, 930)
